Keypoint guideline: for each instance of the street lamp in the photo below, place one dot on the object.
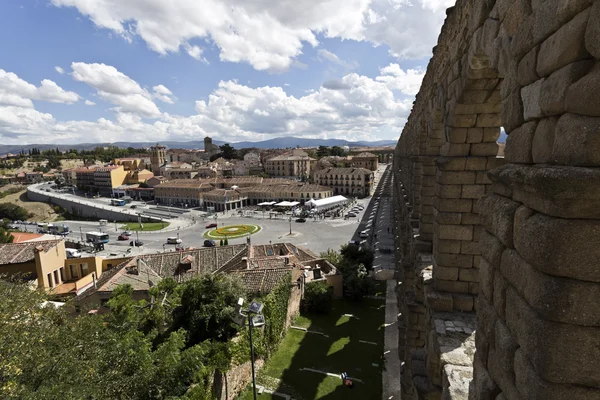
(290, 225)
(255, 320)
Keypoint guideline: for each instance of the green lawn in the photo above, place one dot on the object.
(339, 352)
(148, 226)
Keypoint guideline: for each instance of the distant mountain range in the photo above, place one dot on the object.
(276, 143)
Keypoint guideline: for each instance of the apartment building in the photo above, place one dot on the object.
(108, 178)
(364, 160)
(298, 164)
(181, 192)
(355, 182)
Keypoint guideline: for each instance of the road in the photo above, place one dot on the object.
(317, 235)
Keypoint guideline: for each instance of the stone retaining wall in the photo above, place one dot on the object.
(506, 244)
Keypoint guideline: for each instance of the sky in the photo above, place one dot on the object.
(81, 71)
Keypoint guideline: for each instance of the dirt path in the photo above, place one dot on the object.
(40, 211)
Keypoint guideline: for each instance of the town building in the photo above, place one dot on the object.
(295, 165)
(231, 193)
(158, 157)
(260, 267)
(354, 182)
(34, 177)
(364, 160)
(181, 192)
(108, 178)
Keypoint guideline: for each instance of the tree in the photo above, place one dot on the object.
(353, 255)
(13, 212)
(215, 156)
(334, 257)
(208, 306)
(228, 151)
(337, 151)
(318, 297)
(323, 151)
(5, 236)
(357, 284)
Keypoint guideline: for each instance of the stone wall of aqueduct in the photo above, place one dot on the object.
(499, 249)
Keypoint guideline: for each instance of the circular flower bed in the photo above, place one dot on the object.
(231, 231)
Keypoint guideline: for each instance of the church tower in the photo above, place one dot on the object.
(157, 158)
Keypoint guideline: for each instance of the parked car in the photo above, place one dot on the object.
(211, 225)
(133, 206)
(209, 243)
(136, 243)
(73, 253)
(351, 214)
(364, 234)
(123, 236)
(127, 233)
(173, 240)
(301, 220)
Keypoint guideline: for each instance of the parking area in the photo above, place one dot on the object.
(317, 234)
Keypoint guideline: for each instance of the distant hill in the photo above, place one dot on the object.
(276, 143)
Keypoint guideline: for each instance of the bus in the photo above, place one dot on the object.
(117, 202)
(58, 229)
(96, 237)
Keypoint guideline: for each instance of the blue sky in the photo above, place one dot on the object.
(234, 70)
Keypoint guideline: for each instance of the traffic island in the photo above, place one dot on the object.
(231, 231)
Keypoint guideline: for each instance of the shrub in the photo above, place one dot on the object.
(318, 297)
(357, 284)
(13, 212)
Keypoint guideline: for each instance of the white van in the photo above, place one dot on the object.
(73, 253)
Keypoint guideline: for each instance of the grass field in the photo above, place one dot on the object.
(342, 351)
(147, 226)
(42, 212)
(232, 231)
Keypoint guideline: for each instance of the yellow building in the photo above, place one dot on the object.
(107, 178)
(364, 160)
(355, 182)
(136, 176)
(129, 163)
(181, 191)
(295, 165)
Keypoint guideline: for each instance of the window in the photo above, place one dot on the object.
(84, 269)
(73, 271)
(49, 277)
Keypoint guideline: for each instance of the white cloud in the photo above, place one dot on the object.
(59, 70)
(408, 82)
(117, 88)
(366, 109)
(89, 103)
(332, 57)
(163, 94)
(15, 91)
(267, 34)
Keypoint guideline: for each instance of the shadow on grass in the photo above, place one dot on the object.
(342, 351)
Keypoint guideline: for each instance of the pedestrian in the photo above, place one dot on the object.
(388, 229)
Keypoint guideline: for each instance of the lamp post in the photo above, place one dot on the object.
(290, 225)
(255, 320)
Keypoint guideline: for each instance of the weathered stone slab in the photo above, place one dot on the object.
(556, 355)
(497, 215)
(530, 95)
(543, 141)
(532, 387)
(519, 144)
(577, 141)
(555, 87)
(581, 98)
(456, 380)
(553, 298)
(592, 33)
(560, 191)
(564, 47)
(558, 246)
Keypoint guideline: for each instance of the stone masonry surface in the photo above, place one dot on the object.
(497, 246)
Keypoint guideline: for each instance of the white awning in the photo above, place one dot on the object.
(287, 204)
(327, 202)
(267, 203)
